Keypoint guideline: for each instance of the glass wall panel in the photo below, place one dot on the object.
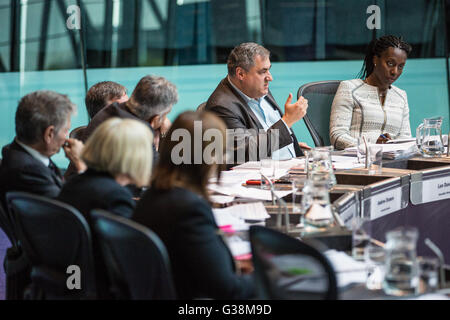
(188, 41)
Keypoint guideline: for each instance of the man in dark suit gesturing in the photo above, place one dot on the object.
(244, 102)
(42, 126)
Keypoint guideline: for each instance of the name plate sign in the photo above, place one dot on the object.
(435, 189)
(385, 203)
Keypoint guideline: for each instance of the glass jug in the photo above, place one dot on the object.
(429, 137)
(319, 166)
(401, 268)
(316, 206)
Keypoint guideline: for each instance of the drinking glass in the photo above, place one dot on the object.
(374, 257)
(360, 236)
(316, 205)
(375, 159)
(428, 274)
(360, 150)
(402, 272)
(298, 183)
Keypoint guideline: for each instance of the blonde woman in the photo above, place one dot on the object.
(118, 153)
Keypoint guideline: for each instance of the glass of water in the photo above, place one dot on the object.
(374, 258)
(360, 236)
(429, 274)
(297, 191)
(402, 270)
(267, 169)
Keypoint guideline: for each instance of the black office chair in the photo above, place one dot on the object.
(289, 269)
(320, 97)
(201, 107)
(53, 236)
(77, 133)
(136, 260)
(16, 265)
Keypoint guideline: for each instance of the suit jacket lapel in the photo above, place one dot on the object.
(246, 108)
(56, 174)
(249, 111)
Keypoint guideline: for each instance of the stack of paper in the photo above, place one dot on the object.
(238, 177)
(238, 246)
(220, 199)
(236, 215)
(279, 164)
(392, 151)
(345, 162)
(348, 270)
(242, 192)
(396, 151)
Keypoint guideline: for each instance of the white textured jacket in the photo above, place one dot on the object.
(357, 111)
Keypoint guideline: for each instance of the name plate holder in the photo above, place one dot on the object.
(430, 185)
(347, 207)
(386, 197)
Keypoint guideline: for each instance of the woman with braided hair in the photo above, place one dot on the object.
(371, 106)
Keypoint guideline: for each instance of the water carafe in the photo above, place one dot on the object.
(429, 137)
(319, 166)
(401, 267)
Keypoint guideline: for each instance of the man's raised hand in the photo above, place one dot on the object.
(293, 112)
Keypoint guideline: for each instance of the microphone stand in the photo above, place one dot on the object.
(440, 256)
(367, 153)
(281, 204)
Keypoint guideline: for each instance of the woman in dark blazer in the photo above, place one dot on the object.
(176, 208)
(118, 153)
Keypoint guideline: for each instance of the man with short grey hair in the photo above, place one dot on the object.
(42, 127)
(150, 102)
(244, 102)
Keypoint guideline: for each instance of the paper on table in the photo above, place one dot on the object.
(279, 164)
(430, 296)
(317, 212)
(242, 192)
(388, 147)
(239, 177)
(221, 199)
(391, 151)
(347, 165)
(236, 176)
(345, 162)
(347, 269)
(238, 246)
(224, 218)
(444, 140)
(247, 211)
(401, 140)
(343, 158)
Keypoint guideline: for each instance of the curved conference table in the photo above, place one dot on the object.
(412, 192)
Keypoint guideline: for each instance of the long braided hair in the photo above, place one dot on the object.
(377, 47)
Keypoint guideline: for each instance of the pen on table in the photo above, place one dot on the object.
(257, 182)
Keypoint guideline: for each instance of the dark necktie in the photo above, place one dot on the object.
(298, 150)
(56, 172)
